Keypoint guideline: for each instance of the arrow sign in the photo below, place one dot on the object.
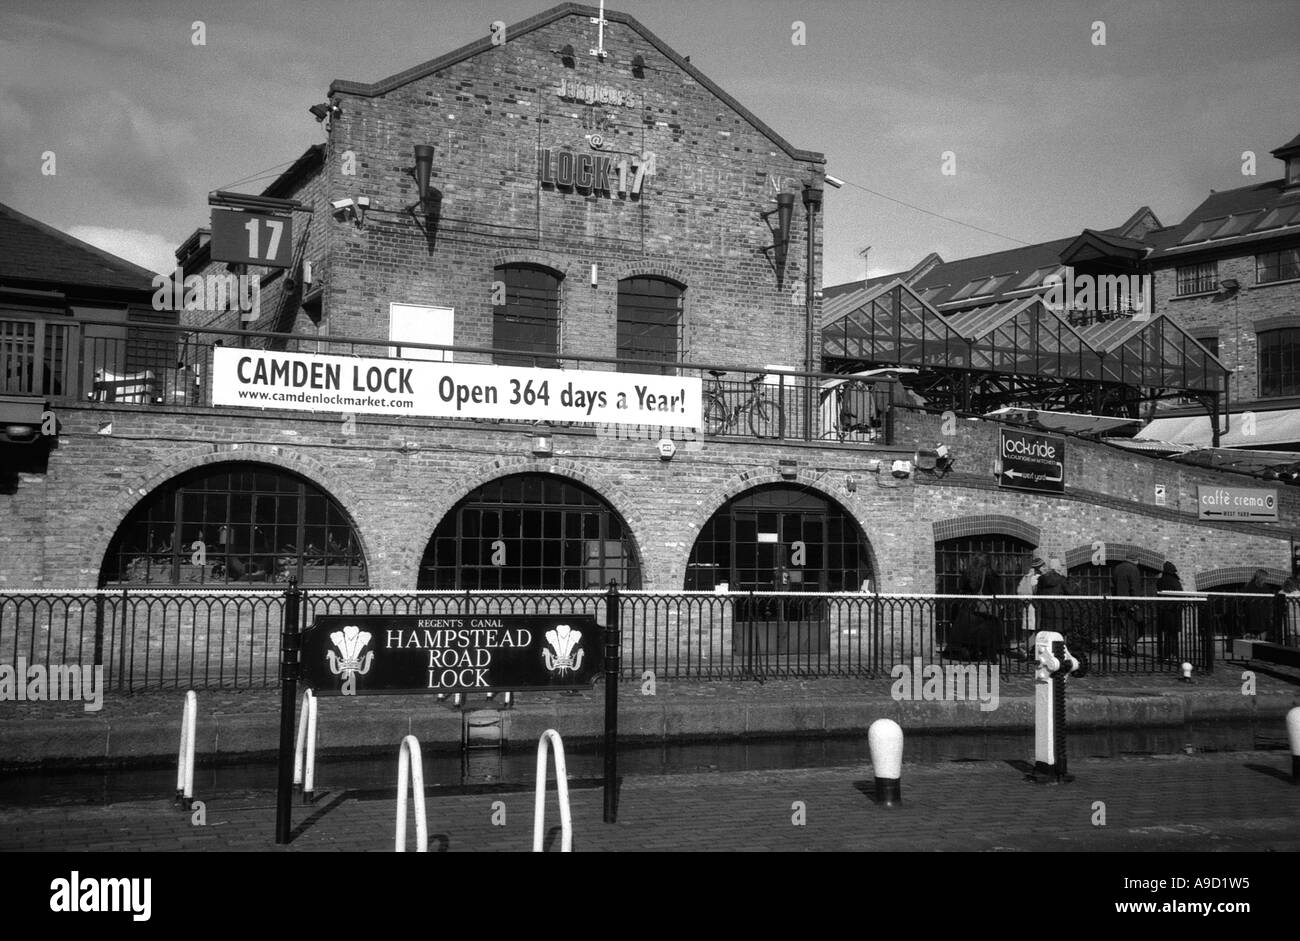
(1031, 461)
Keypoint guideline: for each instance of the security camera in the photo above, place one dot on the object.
(341, 204)
(834, 181)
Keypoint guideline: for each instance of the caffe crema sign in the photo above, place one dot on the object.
(1236, 503)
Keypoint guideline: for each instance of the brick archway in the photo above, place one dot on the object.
(985, 523)
(746, 481)
(1117, 552)
(422, 525)
(121, 505)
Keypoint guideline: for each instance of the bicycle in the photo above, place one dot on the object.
(765, 416)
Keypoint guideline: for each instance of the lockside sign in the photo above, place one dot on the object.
(450, 653)
(1031, 461)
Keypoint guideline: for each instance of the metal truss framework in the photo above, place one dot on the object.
(1021, 353)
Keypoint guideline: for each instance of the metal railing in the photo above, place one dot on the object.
(149, 640)
(156, 364)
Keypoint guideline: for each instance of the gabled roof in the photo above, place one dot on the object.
(1011, 274)
(34, 253)
(1288, 149)
(891, 324)
(1233, 218)
(545, 18)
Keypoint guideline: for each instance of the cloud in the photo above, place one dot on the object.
(144, 248)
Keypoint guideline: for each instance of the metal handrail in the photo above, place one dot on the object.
(409, 758)
(306, 742)
(185, 757)
(561, 790)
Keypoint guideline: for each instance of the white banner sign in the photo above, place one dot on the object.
(403, 388)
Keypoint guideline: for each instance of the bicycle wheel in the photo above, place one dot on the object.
(765, 418)
(715, 415)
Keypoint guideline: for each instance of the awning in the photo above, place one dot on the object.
(1270, 428)
(1070, 422)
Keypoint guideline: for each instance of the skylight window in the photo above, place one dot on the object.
(1201, 231)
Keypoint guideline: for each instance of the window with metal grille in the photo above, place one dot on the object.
(750, 543)
(236, 523)
(649, 321)
(1277, 266)
(530, 532)
(529, 320)
(1279, 362)
(1197, 279)
(1089, 579)
(1009, 559)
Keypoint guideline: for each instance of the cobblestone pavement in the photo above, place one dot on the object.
(1243, 801)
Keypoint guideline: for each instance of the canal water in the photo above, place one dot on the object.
(514, 769)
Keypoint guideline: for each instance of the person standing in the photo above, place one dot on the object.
(1021, 647)
(1259, 611)
(1055, 582)
(1126, 582)
(1169, 618)
(975, 628)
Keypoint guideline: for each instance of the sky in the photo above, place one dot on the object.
(1051, 115)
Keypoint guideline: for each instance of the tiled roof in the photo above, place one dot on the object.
(1234, 217)
(35, 253)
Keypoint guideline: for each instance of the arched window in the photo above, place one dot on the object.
(650, 321)
(530, 531)
(779, 538)
(235, 523)
(1008, 556)
(529, 318)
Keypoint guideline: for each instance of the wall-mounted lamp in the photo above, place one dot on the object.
(568, 56)
(422, 170)
(851, 484)
(784, 211)
(595, 275)
(901, 469)
(325, 113)
(542, 446)
(789, 469)
(1230, 285)
(638, 66)
(812, 195)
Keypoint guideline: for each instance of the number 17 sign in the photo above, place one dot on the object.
(252, 238)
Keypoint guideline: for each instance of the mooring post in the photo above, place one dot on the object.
(611, 701)
(289, 641)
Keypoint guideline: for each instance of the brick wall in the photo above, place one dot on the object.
(397, 481)
(697, 219)
(1232, 318)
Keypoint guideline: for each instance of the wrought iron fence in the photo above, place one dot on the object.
(231, 640)
(161, 365)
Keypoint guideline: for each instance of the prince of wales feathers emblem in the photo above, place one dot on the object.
(350, 642)
(564, 653)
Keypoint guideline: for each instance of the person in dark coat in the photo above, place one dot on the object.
(1169, 617)
(1259, 611)
(1126, 582)
(976, 629)
(1054, 615)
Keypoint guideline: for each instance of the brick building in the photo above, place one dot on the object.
(573, 201)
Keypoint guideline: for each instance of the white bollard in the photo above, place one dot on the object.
(561, 793)
(306, 742)
(409, 758)
(1293, 734)
(885, 739)
(185, 759)
(1187, 672)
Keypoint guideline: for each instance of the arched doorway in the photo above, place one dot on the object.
(530, 532)
(240, 523)
(781, 539)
